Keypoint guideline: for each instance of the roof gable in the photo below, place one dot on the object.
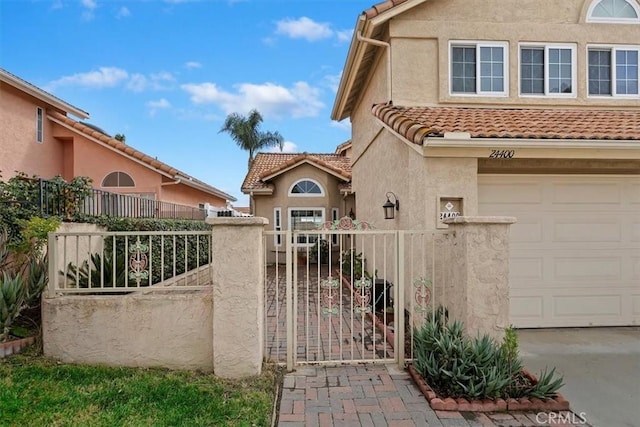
(136, 155)
(267, 166)
(36, 92)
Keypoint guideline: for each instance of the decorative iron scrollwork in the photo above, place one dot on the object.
(138, 261)
(422, 294)
(330, 290)
(363, 295)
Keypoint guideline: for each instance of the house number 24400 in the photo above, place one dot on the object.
(502, 154)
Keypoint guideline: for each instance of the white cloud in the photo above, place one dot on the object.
(344, 125)
(123, 12)
(90, 6)
(287, 147)
(344, 35)
(156, 81)
(304, 28)
(160, 104)
(300, 100)
(193, 64)
(333, 81)
(108, 77)
(101, 78)
(57, 4)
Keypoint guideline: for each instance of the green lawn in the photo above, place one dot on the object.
(39, 392)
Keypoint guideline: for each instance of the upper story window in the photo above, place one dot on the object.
(615, 11)
(118, 179)
(479, 68)
(39, 125)
(547, 70)
(306, 188)
(613, 71)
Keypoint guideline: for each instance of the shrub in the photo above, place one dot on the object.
(476, 368)
(23, 271)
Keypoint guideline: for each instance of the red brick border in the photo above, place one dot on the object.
(559, 403)
(14, 347)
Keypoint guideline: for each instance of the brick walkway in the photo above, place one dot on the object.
(340, 334)
(381, 395)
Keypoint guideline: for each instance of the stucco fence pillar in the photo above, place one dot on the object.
(478, 273)
(238, 296)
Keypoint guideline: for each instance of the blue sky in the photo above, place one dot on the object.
(167, 72)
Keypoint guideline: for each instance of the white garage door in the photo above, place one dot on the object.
(575, 250)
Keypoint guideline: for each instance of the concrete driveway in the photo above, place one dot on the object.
(601, 369)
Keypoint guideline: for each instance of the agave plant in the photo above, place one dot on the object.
(23, 276)
(100, 274)
(459, 366)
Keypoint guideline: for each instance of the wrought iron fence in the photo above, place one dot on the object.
(108, 262)
(353, 295)
(60, 200)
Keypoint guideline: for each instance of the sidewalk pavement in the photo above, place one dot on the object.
(383, 395)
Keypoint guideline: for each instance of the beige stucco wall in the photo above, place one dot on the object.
(172, 330)
(264, 204)
(477, 286)
(420, 46)
(75, 249)
(19, 150)
(238, 290)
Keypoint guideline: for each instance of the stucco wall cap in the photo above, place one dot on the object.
(239, 221)
(481, 220)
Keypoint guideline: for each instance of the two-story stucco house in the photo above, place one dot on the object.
(299, 191)
(524, 108)
(40, 138)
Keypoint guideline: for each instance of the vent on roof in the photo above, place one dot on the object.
(96, 128)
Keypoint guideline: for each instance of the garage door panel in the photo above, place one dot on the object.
(527, 268)
(527, 307)
(575, 250)
(526, 231)
(587, 306)
(587, 193)
(587, 268)
(635, 234)
(513, 194)
(633, 194)
(586, 230)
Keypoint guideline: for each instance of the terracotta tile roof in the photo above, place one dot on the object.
(416, 123)
(266, 164)
(340, 149)
(139, 155)
(379, 8)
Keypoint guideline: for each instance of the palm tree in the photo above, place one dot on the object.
(245, 131)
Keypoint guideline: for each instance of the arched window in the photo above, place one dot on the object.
(623, 11)
(118, 179)
(306, 188)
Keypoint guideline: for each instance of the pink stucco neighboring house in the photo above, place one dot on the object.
(39, 137)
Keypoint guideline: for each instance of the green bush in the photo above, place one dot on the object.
(23, 271)
(455, 365)
(177, 255)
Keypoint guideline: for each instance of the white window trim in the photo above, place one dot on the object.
(39, 125)
(303, 208)
(306, 194)
(546, 47)
(613, 49)
(478, 44)
(592, 19)
(277, 226)
(118, 186)
(335, 215)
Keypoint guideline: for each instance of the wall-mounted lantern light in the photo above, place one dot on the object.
(390, 206)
